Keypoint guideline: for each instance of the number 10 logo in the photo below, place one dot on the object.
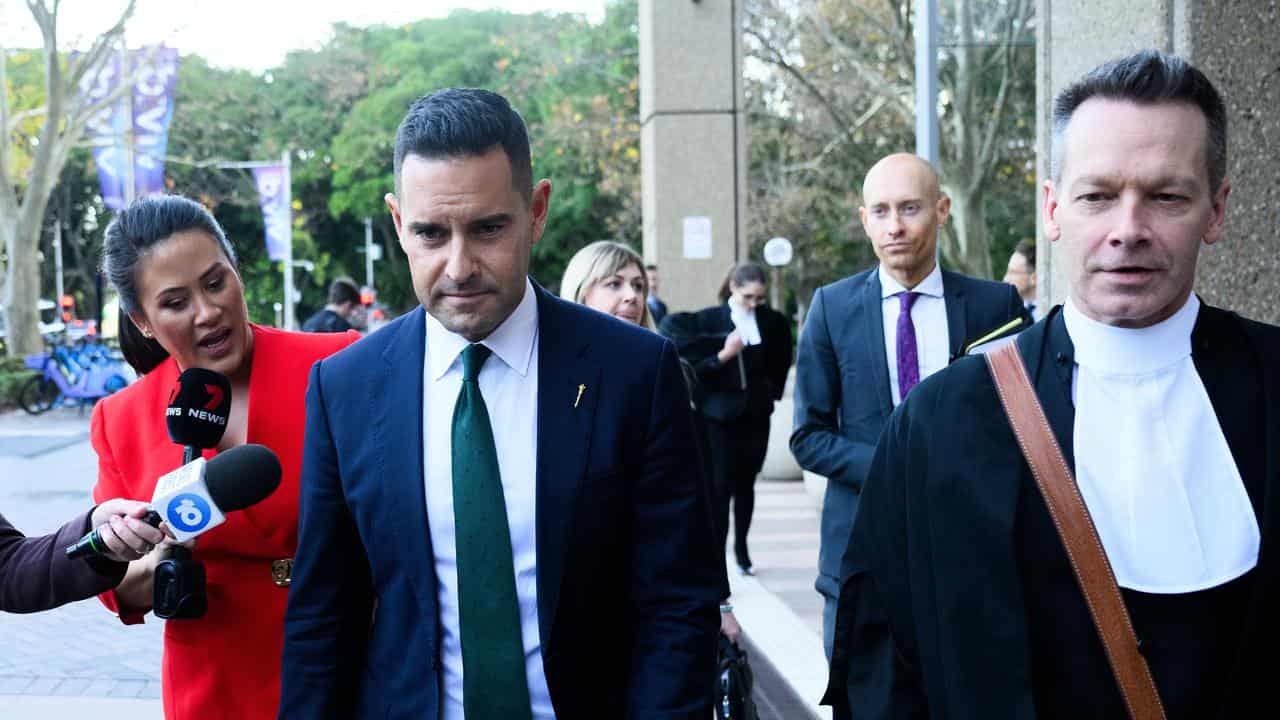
(188, 513)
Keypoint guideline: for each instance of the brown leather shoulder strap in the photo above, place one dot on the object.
(1079, 536)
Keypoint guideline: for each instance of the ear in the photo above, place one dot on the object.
(1218, 214)
(539, 205)
(862, 215)
(393, 205)
(944, 209)
(141, 323)
(1052, 229)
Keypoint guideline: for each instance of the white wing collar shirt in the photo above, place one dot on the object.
(928, 314)
(744, 321)
(509, 384)
(1151, 460)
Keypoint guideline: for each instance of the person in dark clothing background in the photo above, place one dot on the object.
(657, 308)
(344, 298)
(741, 352)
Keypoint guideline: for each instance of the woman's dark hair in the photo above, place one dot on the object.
(739, 275)
(129, 237)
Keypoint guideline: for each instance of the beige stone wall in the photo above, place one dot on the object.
(692, 141)
(1237, 44)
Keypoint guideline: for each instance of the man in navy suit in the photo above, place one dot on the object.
(502, 514)
(868, 339)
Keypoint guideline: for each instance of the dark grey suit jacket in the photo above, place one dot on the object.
(842, 395)
(35, 573)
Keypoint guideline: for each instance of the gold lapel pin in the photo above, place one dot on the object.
(581, 389)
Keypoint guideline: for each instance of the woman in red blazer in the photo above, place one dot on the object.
(176, 276)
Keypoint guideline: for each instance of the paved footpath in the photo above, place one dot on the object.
(77, 660)
(780, 612)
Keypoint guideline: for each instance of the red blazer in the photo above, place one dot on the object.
(226, 664)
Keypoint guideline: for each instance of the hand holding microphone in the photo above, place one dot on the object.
(191, 501)
(124, 529)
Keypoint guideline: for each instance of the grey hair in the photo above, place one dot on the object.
(1147, 78)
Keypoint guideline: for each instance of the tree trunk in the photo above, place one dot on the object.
(970, 254)
(22, 291)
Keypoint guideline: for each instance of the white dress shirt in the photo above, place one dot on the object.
(1152, 463)
(928, 314)
(509, 384)
(744, 322)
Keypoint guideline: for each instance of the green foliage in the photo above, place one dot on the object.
(335, 111)
(12, 376)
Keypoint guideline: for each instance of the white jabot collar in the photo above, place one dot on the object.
(931, 285)
(1152, 462)
(1111, 350)
(511, 341)
(744, 321)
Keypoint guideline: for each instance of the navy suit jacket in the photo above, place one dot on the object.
(628, 579)
(842, 395)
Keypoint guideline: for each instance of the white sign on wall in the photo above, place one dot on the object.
(697, 238)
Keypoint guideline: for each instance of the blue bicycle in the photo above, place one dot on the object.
(80, 374)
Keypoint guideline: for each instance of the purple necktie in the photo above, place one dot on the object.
(908, 355)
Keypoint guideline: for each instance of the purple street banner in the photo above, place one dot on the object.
(273, 196)
(152, 111)
(105, 132)
(152, 106)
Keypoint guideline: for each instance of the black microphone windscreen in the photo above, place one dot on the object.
(199, 405)
(241, 476)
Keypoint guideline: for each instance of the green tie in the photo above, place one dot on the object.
(494, 686)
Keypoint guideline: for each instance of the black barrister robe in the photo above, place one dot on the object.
(956, 603)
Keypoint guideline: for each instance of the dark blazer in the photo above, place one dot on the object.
(700, 336)
(628, 580)
(842, 395)
(933, 621)
(36, 575)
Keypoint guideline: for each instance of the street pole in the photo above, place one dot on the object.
(368, 252)
(57, 261)
(290, 321)
(927, 80)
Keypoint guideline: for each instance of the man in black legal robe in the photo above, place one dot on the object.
(957, 597)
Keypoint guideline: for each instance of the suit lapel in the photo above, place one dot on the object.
(1053, 372)
(397, 420)
(953, 296)
(569, 385)
(873, 330)
(1227, 373)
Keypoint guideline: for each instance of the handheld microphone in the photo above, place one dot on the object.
(199, 406)
(195, 498)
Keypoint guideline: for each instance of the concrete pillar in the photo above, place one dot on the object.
(692, 144)
(1237, 44)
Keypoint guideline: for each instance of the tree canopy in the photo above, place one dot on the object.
(829, 90)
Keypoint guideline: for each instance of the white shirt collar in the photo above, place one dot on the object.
(931, 285)
(512, 341)
(1110, 350)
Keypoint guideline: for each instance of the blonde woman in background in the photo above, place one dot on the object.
(610, 277)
